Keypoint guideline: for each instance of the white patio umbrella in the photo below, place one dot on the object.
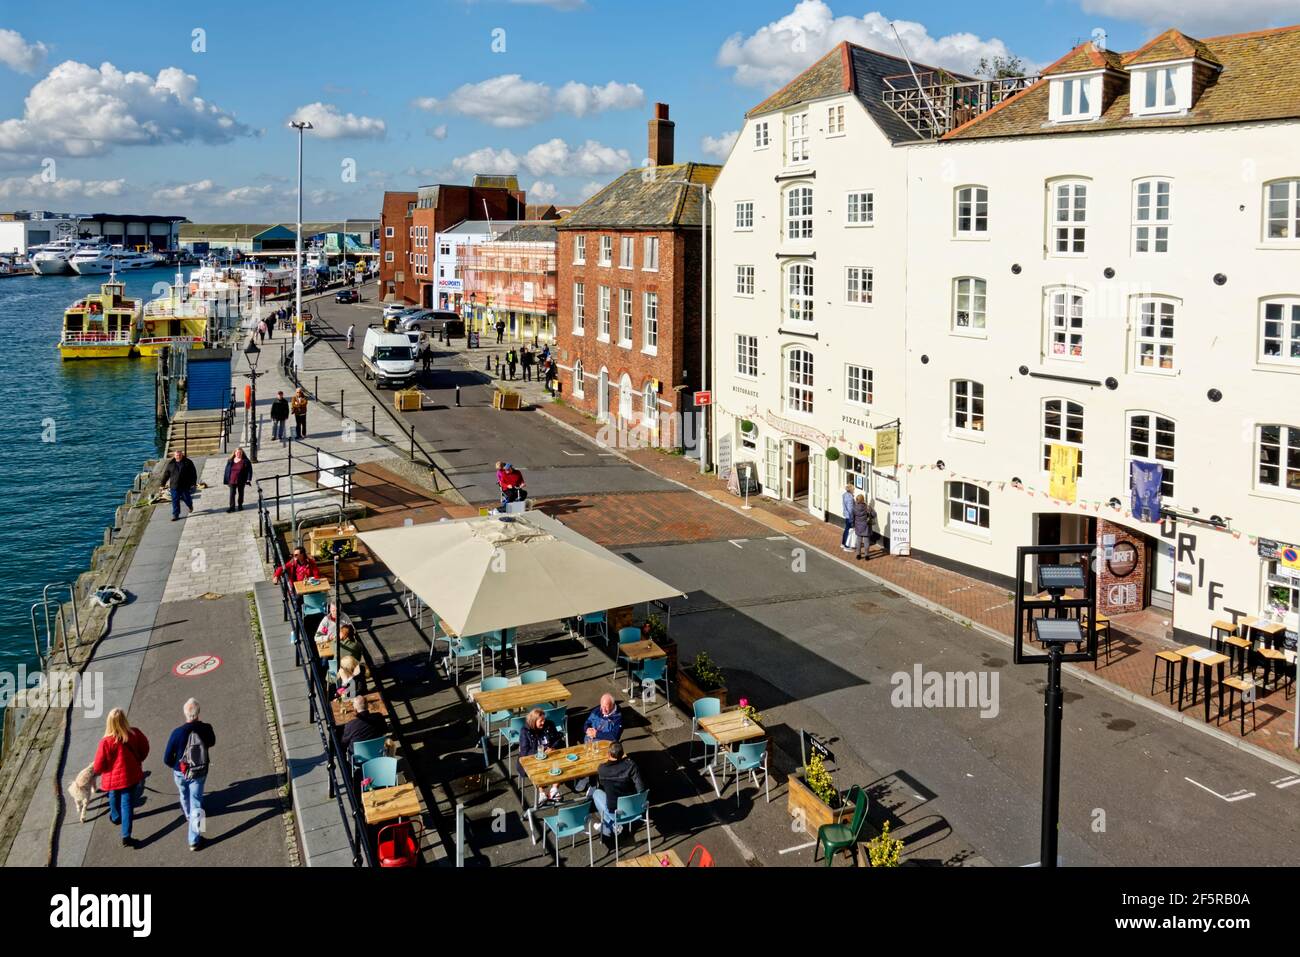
(483, 573)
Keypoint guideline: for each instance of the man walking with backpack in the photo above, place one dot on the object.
(187, 756)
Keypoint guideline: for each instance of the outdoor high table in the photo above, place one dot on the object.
(729, 728)
(636, 652)
(311, 588)
(389, 804)
(1199, 656)
(540, 771)
(520, 696)
(344, 712)
(653, 860)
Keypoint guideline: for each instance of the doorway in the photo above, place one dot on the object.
(602, 395)
(794, 475)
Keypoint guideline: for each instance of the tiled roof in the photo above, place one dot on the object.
(1254, 85)
(661, 196)
(1172, 45)
(850, 68)
(529, 233)
(1084, 57)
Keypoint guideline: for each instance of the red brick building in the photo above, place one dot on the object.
(410, 222)
(629, 290)
(512, 279)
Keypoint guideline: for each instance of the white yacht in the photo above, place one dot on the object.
(105, 259)
(54, 259)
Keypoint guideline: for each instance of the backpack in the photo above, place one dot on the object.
(194, 757)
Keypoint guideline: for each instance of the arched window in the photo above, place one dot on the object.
(625, 398)
(968, 506)
(1282, 211)
(967, 406)
(577, 379)
(650, 405)
(1152, 216)
(972, 211)
(1279, 331)
(1277, 458)
(1062, 425)
(799, 292)
(1154, 334)
(799, 212)
(1151, 439)
(1069, 217)
(602, 395)
(799, 380)
(970, 297)
(1065, 322)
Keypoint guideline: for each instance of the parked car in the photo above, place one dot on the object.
(347, 296)
(387, 358)
(417, 320)
(430, 320)
(394, 309)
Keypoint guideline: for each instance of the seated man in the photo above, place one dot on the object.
(366, 726)
(619, 777)
(299, 567)
(605, 723)
(349, 645)
(538, 734)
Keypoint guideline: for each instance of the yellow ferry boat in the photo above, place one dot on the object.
(102, 326)
(173, 321)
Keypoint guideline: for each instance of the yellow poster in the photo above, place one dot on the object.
(886, 449)
(1065, 469)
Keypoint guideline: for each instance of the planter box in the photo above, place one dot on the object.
(320, 541)
(408, 400)
(508, 401)
(814, 811)
(688, 692)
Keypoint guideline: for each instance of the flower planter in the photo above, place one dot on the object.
(802, 802)
(688, 692)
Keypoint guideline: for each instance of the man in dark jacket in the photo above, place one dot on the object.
(279, 416)
(366, 726)
(526, 360)
(512, 360)
(180, 476)
(619, 777)
(183, 750)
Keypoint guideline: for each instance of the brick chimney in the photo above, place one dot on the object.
(661, 137)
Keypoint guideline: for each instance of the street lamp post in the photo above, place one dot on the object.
(300, 126)
(252, 353)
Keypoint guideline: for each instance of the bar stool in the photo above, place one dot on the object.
(1218, 632)
(1275, 661)
(1170, 659)
(1238, 650)
(1246, 688)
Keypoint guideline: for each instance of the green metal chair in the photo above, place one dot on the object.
(493, 683)
(381, 771)
(651, 671)
(839, 837)
(363, 751)
(704, 708)
(570, 821)
(626, 636)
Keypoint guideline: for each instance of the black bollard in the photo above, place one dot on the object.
(487, 363)
(458, 397)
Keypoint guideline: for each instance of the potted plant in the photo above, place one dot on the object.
(832, 454)
(882, 850)
(655, 630)
(747, 426)
(701, 679)
(813, 798)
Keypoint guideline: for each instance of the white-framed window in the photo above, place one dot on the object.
(1279, 331)
(1151, 439)
(650, 320)
(388, 232)
(1277, 455)
(1281, 591)
(745, 215)
(579, 308)
(577, 379)
(747, 356)
(859, 285)
(1154, 335)
(972, 211)
(1152, 216)
(579, 250)
(967, 406)
(762, 136)
(799, 212)
(1065, 323)
(625, 317)
(445, 250)
(968, 506)
(858, 473)
(1158, 89)
(627, 250)
(799, 380)
(388, 256)
(799, 292)
(970, 298)
(1075, 98)
(607, 250)
(859, 385)
(650, 255)
(1282, 211)
(1062, 425)
(796, 125)
(604, 313)
(1070, 218)
(650, 405)
(861, 208)
(744, 280)
(748, 440)
(835, 120)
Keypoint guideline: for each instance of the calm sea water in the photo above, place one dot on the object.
(56, 497)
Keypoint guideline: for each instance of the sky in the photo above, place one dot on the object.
(141, 106)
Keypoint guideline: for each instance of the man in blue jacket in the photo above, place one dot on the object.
(187, 756)
(605, 723)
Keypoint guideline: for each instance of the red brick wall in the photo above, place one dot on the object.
(393, 215)
(1118, 595)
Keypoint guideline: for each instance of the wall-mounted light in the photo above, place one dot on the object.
(1016, 482)
(939, 464)
(925, 360)
(1114, 503)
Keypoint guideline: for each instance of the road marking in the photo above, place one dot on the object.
(777, 538)
(1286, 782)
(800, 847)
(576, 455)
(738, 544)
(196, 666)
(1239, 795)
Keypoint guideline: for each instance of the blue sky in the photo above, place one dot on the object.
(111, 106)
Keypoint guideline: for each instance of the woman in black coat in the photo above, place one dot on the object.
(239, 474)
(863, 517)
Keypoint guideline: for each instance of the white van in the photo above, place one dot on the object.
(388, 358)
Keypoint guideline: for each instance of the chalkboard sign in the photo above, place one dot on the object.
(1268, 549)
(815, 745)
(724, 457)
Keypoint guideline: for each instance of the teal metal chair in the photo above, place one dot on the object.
(749, 757)
(315, 603)
(652, 670)
(631, 810)
(595, 622)
(570, 821)
(469, 646)
(534, 677)
(510, 734)
(704, 708)
(381, 771)
(626, 636)
(839, 837)
(492, 644)
(559, 716)
(363, 751)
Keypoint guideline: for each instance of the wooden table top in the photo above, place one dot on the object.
(344, 712)
(729, 727)
(1202, 655)
(1222, 625)
(307, 588)
(539, 772)
(641, 650)
(1270, 628)
(667, 858)
(388, 804)
(325, 649)
(516, 697)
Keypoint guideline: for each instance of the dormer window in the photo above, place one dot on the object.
(1076, 98)
(1159, 90)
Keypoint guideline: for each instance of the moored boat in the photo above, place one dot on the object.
(174, 320)
(102, 326)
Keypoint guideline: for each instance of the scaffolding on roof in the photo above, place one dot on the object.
(934, 103)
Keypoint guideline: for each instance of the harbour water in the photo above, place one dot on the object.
(76, 434)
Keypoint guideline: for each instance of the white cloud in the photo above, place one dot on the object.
(779, 51)
(78, 110)
(329, 124)
(438, 132)
(36, 187)
(17, 54)
(591, 189)
(543, 192)
(509, 101)
(1198, 17)
(487, 160)
(207, 193)
(556, 158)
(720, 146)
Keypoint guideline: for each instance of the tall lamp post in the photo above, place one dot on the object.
(300, 126)
(252, 353)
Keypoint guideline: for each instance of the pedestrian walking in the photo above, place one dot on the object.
(279, 416)
(526, 360)
(180, 477)
(119, 761)
(512, 360)
(299, 408)
(501, 331)
(187, 755)
(261, 329)
(846, 507)
(550, 376)
(270, 326)
(351, 332)
(863, 517)
(426, 351)
(239, 473)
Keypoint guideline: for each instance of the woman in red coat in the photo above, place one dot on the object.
(120, 761)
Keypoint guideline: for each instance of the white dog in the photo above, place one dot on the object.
(82, 789)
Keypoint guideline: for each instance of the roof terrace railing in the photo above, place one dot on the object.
(934, 103)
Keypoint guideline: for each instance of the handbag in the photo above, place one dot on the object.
(852, 541)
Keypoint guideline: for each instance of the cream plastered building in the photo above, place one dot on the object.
(1108, 261)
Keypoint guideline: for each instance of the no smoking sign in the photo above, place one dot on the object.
(197, 666)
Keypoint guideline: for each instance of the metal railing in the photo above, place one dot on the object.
(342, 472)
(934, 103)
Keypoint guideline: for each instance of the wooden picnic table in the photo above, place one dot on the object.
(667, 858)
(1199, 656)
(388, 804)
(311, 588)
(344, 712)
(729, 727)
(517, 697)
(636, 652)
